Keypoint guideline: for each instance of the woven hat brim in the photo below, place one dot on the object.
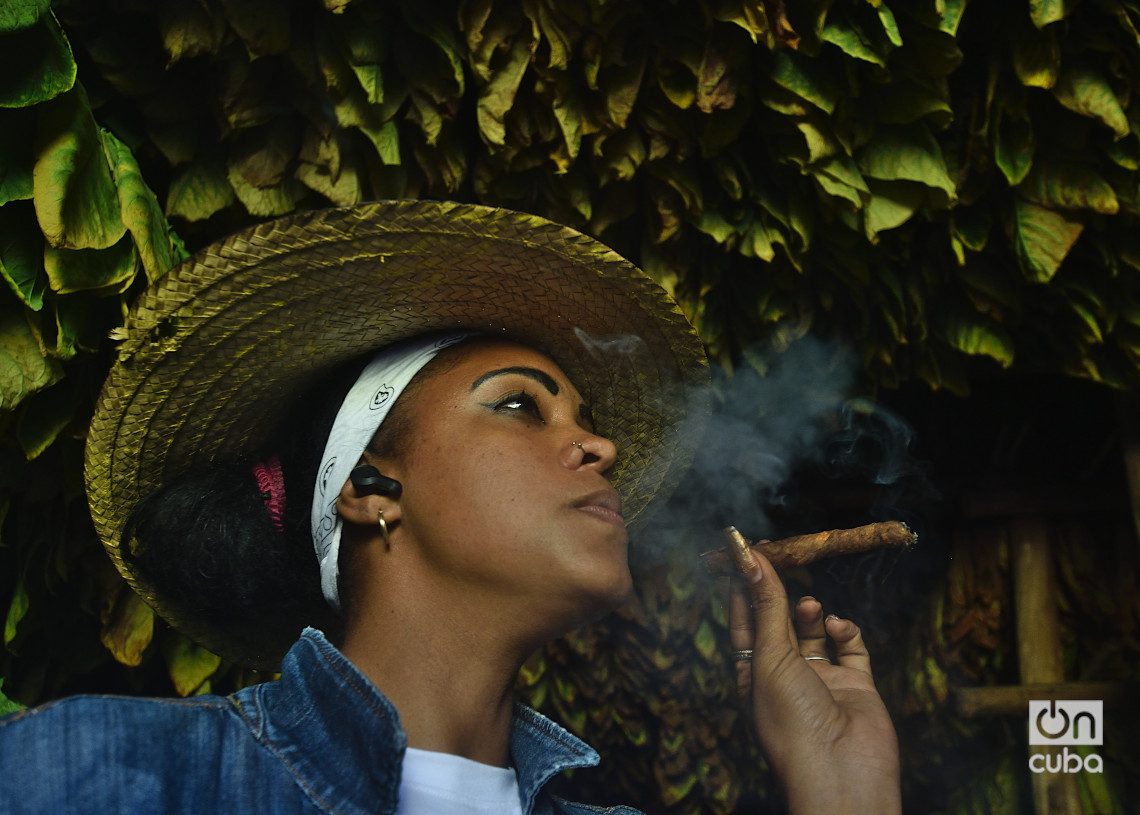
(214, 350)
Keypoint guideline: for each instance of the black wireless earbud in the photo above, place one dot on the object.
(367, 479)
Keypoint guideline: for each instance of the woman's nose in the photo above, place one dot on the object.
(592, 451)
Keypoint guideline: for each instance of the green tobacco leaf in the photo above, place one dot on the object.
(22, 253)
(17, 610)
(485, 36)
(892, 204)
(993, 285)
(556, 31)
(8, 705)
(446, 163)
(83, 321)
(263, 155)
(908, 154)
(365, 48)
(1125, 153)
(840, 177)
(950, 15)
(260, 24)
(972, 226)
(199, 191)
(567, 109)
(140, 210)
(911, 99)
(371, 78)
(1084, 90)
(190, 30)
(1067, 185)
(716, 89)
(343, 190)
(1042, 239)
(890, 27)
(853, 41)
(805, 78)
(677, 82)
(619, 155)
(128, 627)
(73, 270)
(620, 85)
(16, 14)
(1036, 56)
(713, 224)
(498, 96)
(1014, 143)
(756, 243)
(385, 137)
(36, 64)
(821, 144)
(1090, 322)
(978, 335)
(1043, 12)
(440, 30)
(264, 202)
(189, 664)
(43, 417)
(77, 202)
(17, 154)
(23, 368)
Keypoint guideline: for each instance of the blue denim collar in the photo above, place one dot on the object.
(343, 739)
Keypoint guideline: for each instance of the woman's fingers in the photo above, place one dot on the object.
(810, 630)
(850, 650)
(768, 601)
(741, 635)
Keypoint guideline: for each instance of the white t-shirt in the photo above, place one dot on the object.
(443, 784)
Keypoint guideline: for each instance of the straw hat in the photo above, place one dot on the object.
(213, 350)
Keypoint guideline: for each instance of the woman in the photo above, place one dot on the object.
(468, 489)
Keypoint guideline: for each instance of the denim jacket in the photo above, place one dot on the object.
(321, 739)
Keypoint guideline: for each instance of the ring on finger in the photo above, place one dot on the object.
(825, 659)
(743, 655)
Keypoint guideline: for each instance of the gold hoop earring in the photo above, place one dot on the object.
(383, 528)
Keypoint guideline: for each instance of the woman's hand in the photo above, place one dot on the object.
(822, 725)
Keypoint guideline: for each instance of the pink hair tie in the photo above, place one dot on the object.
(272, 485)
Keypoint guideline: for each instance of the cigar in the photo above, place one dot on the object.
(801, 550)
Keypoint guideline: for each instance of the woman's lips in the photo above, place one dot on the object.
(605, 504)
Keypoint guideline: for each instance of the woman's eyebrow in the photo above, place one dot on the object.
(541, 377)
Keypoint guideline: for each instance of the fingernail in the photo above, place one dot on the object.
(746, 560)
(831, 617)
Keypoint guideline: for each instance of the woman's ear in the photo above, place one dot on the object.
(366, 493)
(367, 479)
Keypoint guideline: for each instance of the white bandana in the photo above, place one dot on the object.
(360, 416)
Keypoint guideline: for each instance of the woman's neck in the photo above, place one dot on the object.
(451, 679)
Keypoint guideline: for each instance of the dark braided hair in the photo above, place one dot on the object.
(206, 540)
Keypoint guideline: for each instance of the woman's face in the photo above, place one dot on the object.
(506, 487)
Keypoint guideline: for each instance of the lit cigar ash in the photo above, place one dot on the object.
(801, 550)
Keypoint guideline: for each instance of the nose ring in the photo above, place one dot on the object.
(578, 444)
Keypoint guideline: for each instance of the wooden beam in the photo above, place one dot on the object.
(1039, 647)
(1013, 700)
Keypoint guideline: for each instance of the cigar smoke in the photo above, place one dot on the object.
(627, 346)
(771, 415)
(776, 414)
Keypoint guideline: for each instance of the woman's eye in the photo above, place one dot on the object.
(522, 403)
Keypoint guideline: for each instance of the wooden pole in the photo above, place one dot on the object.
(1039, 648)
(1128, 409)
